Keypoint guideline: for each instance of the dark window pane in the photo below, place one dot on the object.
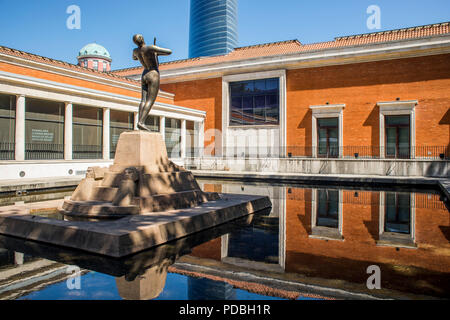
(7, 126)
(328, 208)
(397, 120)
(120, 121)
(254, 102)
(152, 122)
(398, 213)
(44, 129)
(327, 122)
(87, 132)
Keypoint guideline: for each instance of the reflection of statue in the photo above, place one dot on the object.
(148, 285)
(148, 56)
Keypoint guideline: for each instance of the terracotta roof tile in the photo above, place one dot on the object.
(292, 46)
(66, 65)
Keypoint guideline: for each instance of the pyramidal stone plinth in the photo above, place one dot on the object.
(141, 180)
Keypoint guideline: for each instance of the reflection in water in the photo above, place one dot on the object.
(321, 237)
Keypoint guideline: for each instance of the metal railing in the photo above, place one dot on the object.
(7, 150)
(44, 151)
(86, 151)
(345, 152)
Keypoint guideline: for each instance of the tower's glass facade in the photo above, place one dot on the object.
(213, 27)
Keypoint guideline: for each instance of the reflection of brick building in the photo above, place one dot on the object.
(405, 234)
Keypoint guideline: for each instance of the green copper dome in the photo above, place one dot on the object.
(94, 50)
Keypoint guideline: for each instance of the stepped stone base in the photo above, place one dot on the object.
(141, 180)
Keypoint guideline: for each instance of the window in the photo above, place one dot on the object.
(327, 130)
(398, 213)
(105, 65)
(152, 122)
(7, 126)
(397, 216)
(328, 208)
(120, 121)
(328, 137)
(191, 138)
(326, 214)
(173, 137)
(254, 102)
(397, 136)
(44, 129)
(87, 132)
(95, 64)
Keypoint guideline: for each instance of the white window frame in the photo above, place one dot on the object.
(327, 111)
(398, 108)
(281, 74)
(399, 240)
(325, 233)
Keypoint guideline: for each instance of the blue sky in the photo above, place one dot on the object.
(39, 26)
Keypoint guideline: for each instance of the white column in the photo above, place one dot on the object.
(162, 127)
(20, 128)
(106, 113)
(136, 115)
(183, 139)
(68, 131)
(200, 143)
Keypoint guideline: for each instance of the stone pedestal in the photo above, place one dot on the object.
(142, 179)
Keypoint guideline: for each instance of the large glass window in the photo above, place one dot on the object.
(173, 137)
(152, 122)
(327, 208)
(120, 121)
(328, 137)
(191, 138)
(7, 126)
(397, 136)
(254, 102)
(87, 132)
(44, 129)
(398, 213)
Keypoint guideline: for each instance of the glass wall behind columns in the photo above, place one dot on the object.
(120, 121)
(44, 129)
(173, 137)
(87, 132)
(7, 126)
(192, 149)
(153, 123)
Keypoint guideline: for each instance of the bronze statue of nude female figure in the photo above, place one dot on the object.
(148, 56)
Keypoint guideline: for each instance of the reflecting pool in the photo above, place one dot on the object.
(316, 242)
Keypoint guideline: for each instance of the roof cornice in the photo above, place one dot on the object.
(323, 57)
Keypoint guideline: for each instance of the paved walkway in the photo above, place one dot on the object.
(34, 184)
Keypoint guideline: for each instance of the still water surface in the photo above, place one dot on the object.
(315, 243)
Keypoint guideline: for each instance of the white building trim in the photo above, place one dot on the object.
(327, 111)
(392, 108)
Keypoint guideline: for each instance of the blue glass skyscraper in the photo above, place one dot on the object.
(213, 27)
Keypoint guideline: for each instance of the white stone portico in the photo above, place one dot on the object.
(24, 87)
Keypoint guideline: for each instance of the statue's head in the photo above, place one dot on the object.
(138, 39)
